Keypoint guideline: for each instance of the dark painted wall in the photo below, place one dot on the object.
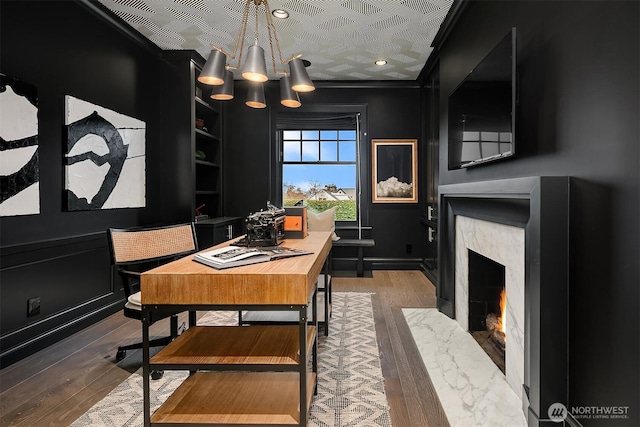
(391, 112)
(64, 49)
(578, 116)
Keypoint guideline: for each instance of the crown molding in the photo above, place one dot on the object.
(447, 25)
(114, 21)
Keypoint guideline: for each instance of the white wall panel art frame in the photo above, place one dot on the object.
(19, 158)
(105, 159)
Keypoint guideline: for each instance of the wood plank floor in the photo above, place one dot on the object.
(58, 384)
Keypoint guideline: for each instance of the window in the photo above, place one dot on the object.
(320, 168)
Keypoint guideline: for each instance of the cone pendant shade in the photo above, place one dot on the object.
(255, 68)
(255, 96)
(224, 92)
(288, 97)
(213, 70)
(300, 80)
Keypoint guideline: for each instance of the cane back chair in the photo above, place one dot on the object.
(135, 250)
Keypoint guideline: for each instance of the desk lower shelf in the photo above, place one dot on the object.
(245, 398)
(222, 347)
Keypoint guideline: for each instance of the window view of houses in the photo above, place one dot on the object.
(319, 169)
(322, 197)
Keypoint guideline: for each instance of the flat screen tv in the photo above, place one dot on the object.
(482, 110)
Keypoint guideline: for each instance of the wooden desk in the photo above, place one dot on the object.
(279, 388)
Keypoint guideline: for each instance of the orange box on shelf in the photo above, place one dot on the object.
(295, 222)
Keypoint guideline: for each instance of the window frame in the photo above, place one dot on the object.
(363, 203)
(318, 142)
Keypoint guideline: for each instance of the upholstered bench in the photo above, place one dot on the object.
(356, 243)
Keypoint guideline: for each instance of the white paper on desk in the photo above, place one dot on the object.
(230, 253)
(234, 256)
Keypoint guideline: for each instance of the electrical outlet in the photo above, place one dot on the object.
(33, 306)
(409, 248)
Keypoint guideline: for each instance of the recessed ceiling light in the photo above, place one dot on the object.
(280, 13)
(381, 62)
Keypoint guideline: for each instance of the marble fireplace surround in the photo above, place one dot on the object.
(539, 205)
(503, 244)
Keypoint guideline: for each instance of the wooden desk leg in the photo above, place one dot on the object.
(360, 262)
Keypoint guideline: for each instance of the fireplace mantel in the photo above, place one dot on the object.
(540, 205)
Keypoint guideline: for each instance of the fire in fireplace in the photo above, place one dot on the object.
(496, 322)
(487, 305)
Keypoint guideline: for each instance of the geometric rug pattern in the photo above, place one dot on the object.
(350, 383)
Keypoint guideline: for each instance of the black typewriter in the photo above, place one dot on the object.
(264, 228)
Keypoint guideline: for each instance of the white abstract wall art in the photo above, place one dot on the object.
(19, 163)
(105, 158)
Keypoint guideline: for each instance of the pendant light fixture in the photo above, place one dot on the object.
(300, 80)
(213, 71)
(224, 92)
(255, 96)
(288, 97)
(255, 67)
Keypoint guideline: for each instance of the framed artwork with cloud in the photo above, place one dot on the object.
(394, 170)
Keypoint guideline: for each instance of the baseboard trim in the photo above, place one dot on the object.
(43, 340)
(349, 263)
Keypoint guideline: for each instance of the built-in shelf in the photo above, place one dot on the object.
(207, 148)
(206, 134)
(194, 131)
(205, 163)
(205, 104)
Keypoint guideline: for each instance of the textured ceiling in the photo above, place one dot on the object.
(341, 38)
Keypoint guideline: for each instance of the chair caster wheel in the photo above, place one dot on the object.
(121, 354)
(156, 375)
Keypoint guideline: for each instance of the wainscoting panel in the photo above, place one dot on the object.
(73, 281)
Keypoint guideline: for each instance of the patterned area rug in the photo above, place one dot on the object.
(350, 383)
